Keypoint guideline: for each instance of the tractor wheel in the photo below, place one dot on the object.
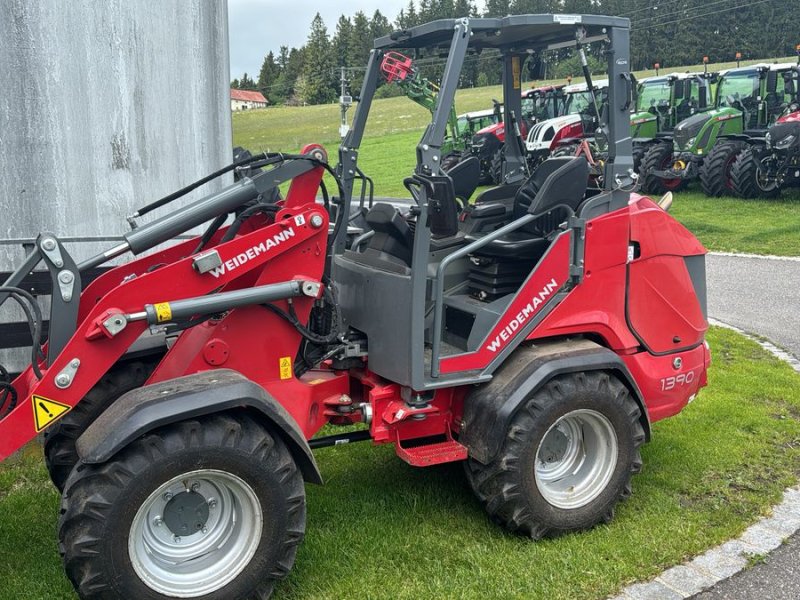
(638, 154)
(658, 158)
(59, 440)
(567, 459)
(715, 174)
(496, 168)
(565, 150)
(748, 180)
(211, 508)
(450, 160)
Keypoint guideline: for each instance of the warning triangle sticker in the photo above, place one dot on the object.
(45, 411)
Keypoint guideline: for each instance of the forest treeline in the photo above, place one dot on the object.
(670, 32)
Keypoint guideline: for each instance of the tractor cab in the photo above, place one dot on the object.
(577, 117)
(437, 291)
(542, 103)
(664, 101)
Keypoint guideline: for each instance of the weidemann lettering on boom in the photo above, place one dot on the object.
(522, 316)
(249, 254)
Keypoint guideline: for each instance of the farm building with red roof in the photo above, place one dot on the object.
(247, 99)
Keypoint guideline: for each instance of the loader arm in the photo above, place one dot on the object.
(110, 315)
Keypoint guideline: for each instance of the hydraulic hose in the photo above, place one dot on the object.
(33, 313)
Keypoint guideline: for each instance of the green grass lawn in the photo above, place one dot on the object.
(382, 529)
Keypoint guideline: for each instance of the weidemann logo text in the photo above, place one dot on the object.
(252, 252)
(529, 309)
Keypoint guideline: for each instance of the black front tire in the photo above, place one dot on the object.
(508, 486)
(60, 455)
(658, 158)
(715, 174)
(744, 172)
(101, 503)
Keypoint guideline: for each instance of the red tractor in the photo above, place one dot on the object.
(182, 392)
(538, 104)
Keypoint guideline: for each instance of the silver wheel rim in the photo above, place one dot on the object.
(576, 459)
(205, 560)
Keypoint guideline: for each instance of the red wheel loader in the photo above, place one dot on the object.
(181, 393)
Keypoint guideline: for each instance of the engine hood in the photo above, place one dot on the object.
(790, 118)
(539, 131)
(642, 117)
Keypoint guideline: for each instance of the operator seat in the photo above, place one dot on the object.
(466, 176)
(557, 181)
(554, 190)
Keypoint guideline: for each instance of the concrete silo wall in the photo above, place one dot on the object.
(105, 106)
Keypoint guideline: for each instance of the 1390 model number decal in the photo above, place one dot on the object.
(670, 383)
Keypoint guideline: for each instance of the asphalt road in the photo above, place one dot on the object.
(760, 296)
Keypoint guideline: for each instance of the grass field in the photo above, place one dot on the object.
(395, 125)
(382, 529)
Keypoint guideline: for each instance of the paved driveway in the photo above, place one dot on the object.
(761, 296)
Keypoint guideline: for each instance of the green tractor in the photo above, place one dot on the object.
(663, 102)
(748, 101)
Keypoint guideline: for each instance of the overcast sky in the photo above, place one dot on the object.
(258, 26)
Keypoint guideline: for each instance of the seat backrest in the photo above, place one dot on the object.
(466, 176)
(527, 193)
(392, 234)
(566, 185)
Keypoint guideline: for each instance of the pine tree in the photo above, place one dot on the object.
(359, 49)
(246, 83)
(318, 68)
(268, 75)
(342, 41)
(379, 26)
(235, 84)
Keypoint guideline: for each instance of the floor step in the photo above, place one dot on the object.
(432, 454)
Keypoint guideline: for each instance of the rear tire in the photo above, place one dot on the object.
(551, 476)
(715, 174)
(450, 160)
(638, 154)
(122, 522)
(60, 455)
(496, 168)
(658, 158)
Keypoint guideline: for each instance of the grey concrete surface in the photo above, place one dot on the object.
(758, 295)
(105, 107)
(776, 578)
(761, 296)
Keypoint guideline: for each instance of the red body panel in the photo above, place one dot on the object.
(177, 280)
(536, 293)
(262, 346)
(790, 118)
(597, 306)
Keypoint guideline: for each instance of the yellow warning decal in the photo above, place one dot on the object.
(515, 70)
(285, 365)
(45, 411)
(163, 312)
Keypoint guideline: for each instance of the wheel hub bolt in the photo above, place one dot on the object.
(168, 496)
(158, 521)
(177, 539)
(212, 503)
(195, 486)
(204, 530)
